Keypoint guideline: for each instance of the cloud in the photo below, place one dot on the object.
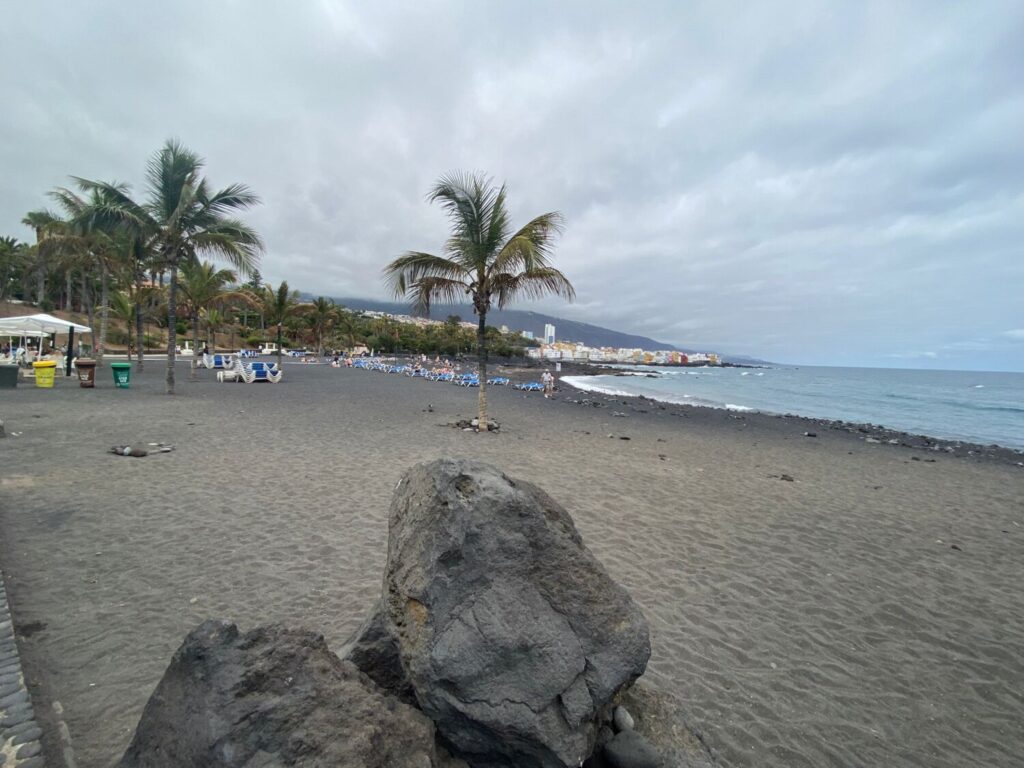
(913, 355)
(1016, 334)
(835, 185)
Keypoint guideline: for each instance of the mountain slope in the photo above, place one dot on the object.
(519, 320)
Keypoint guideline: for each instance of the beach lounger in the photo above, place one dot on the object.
(218, 361)
(253, 372)
(530, 386)
(499, 381)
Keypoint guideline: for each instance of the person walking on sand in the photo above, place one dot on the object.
(549, 383)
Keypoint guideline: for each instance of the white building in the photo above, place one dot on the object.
(549, 334)
(527, 334)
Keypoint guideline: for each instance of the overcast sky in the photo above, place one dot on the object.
(836, 183)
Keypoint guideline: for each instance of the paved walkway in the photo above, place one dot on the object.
(19, 733)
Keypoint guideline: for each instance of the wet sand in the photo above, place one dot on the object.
(866, 612)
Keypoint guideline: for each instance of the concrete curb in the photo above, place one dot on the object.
(19, 731)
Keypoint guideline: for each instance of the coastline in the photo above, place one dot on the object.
(813, 600)
(870, 433)
(864, 431)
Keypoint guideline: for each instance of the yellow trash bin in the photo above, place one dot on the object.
(45, 370)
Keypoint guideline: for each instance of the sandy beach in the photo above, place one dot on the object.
(864, 612)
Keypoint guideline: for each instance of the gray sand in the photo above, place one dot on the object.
(826, 621)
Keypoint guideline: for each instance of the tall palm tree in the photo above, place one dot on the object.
(278, 306)
(44, 223)
(182, 218)
(103, 246)
(483, 258)
(322, 314)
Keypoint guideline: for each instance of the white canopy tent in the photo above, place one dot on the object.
(36, 324)
(43, 325)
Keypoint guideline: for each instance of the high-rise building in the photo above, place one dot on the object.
(549, 334)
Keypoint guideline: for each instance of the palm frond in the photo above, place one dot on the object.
(232, 198)
(171, 171)
(110, 205)
(235, 242)
(535, 284)
(530, 247)
(429, 290)
(403, 273)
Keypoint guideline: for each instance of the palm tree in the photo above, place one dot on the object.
(483, 259)
(123, 307)
(277, 306)
(346, 326)
(323, 314)
(102, 244)
(181, 218)
(205, 287)
(44, 223)
(215, 319)
(14, 260)
(132, 277)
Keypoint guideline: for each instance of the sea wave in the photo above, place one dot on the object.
(953, 403)
(587, 384)
(581, 382)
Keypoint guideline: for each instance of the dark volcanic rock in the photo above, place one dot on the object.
(374, 649)
(514, 637)
(271, 698)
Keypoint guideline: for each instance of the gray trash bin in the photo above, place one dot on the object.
(8, 376)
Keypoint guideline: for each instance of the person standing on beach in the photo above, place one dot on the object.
(549, 383)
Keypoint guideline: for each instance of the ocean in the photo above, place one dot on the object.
(984, 407)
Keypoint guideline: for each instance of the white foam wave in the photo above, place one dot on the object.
(587, 384)
(584, 383)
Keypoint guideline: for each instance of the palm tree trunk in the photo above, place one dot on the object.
(172, 335)
(89, 313)
(279, 346)
(195, 345)
(139, 336)
(104, 312)
(481, 351)
(41, 283)
(67, 289)
(128, 331)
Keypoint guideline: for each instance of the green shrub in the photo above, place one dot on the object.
(116, 336)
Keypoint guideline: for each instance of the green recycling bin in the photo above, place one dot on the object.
(122, 374)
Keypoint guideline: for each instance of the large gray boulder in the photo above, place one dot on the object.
(270, 698)
(513, 636)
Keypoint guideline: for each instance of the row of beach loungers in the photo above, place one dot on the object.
(459, 379)
(231, 368)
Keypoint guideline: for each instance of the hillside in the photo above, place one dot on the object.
(519, 320)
